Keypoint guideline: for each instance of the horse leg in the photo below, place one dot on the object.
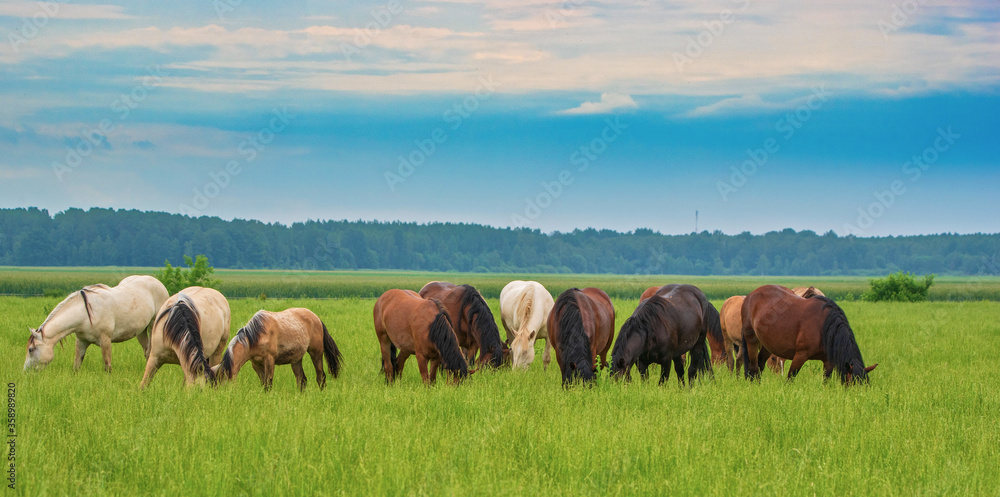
(797, 362)
(422, 364)
(750, 348)
(259, 369)
(143, 338)
(387, 366)
(546, 358)
(317, 359)
(81, 349)
(400, 361)
(432, 367)
(738, 362)
(220, 351)
(268, 372)
(664, 373)
(106, 352)
(679, 369)
(152, 364)
(827, 371)
(729, 348)
(300, 375)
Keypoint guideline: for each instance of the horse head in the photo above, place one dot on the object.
(40, 353)
(522, 349)
(857, 373)
(578, 370)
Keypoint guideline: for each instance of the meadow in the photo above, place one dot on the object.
(927, 424)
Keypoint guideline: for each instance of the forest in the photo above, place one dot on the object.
(108, 237)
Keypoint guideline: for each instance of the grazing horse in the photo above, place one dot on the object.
(472, 321)
(100, 315)
(275, 338)
(581, 327)
(416, 326)
(778, 322)
(191, 329)
(674, 320)
(732, 333)
(524, 313)
(716, 344)
(806, 292)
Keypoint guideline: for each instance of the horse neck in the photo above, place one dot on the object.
(239, 354)
(70, 316)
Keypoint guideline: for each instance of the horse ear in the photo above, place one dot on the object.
(621, 363)
(35, 333)
(870, 368)
(572, 366)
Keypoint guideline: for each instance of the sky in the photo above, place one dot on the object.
(871, 118)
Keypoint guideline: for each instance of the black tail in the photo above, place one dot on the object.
(333, 357)
(838, 340)
(183, 330)
(392, 359)
(713, 325)
(443, 337)
(574, 344)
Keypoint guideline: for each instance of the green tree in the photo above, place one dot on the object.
(898, 287)
(198, 274)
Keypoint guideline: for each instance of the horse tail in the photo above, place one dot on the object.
(838, 340)
(443, 337)
(713, 323)
(574, 344)
(392, 359)
(334, 359)
(182, 329)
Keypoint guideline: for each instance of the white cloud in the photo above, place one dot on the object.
(60, 10)
(609, 102)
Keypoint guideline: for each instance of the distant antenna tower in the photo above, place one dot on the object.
(696, 221)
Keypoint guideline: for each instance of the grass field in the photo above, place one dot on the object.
(927, 424)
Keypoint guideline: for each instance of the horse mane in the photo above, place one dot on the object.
(637, 325)
(86, 304)
(248, 335)
(443, 337)
(838, 339)
(574, 344)
(527, 304)
(478, 312)
(182, 328)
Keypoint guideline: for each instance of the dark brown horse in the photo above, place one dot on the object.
(776, 321)
(719, 351)
(411, 325)
(674, 320)
(581, 327)
(472, 321)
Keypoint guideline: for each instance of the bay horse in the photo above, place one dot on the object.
(524, 313)
(581, 327)
(806, 292)
(778, 322)
(732, 333)
(276, 338)
(716, 344)
(101, 315)
(191, 329)
(472, 320)
(416, 326)
(674, 320)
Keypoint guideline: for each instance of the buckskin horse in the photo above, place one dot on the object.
(581, 326)
(778, 322)
(412, 325)
(732, 334)
(472, 320)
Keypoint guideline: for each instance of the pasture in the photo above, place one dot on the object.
(927, 424)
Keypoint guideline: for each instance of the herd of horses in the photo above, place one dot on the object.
(452, 327)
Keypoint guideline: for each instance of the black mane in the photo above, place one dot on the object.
(478, 314)
(838, 340)
(248, 335)
(574, 344)
(443, 337)
(182, 329)
(631, 341)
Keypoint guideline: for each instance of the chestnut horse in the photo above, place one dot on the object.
(674, 320)
(778, 322)
(191, 329)
(472, 321)
(524, 313)
(275, 338)
(717, 344)
(732, 333)
(415, 326)
(581, 327)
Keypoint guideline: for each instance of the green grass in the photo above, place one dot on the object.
(927, 425)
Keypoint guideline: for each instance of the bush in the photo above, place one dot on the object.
(898, 287)
(177, 279)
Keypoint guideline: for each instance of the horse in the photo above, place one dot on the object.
(674, 320)
(472, 320)
(806, 292)
(732, 333)
(101, 315)
(717, 345)
(191, 329)
(778, 322)
(276, 338)
(581, 327)
(416, 326)
(524, 312)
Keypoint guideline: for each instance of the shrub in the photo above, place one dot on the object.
(898, 287)
(198, 274)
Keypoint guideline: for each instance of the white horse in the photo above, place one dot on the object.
(524, 312)
(191, 329)
(101, 315)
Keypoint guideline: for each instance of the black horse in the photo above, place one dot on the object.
(664, 327)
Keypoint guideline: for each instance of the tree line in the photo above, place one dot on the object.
(108, 237)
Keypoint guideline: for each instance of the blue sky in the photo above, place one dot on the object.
(552, 115)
